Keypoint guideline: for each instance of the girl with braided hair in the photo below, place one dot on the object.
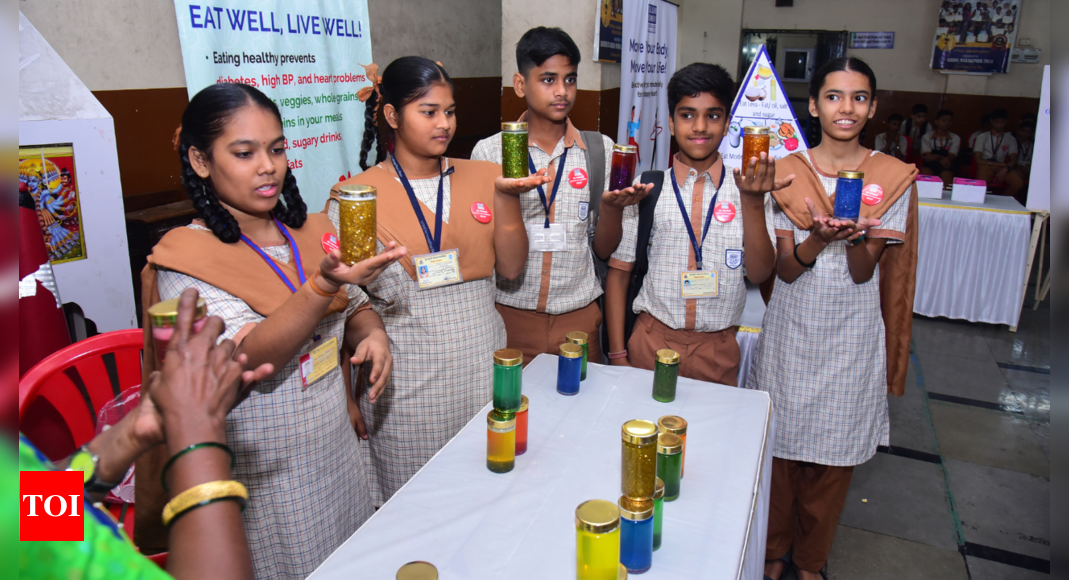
(257, 259)
(441, 335)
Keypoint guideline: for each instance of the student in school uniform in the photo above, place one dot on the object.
(461, 220)
(915, 128)
(939, 149)
(996, 155)
(893, 142)
(836, 333)
(560, 286)
(708, 231)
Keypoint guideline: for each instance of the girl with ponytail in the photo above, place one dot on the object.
(256, 257)
(442, 327)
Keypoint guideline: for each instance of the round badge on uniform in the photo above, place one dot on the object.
(872, 194)
(724, 212)
(577, 178)
(330, 242)
(481, 212)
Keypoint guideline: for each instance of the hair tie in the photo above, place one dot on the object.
(177, 139)
(371, 73)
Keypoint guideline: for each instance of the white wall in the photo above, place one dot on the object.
(906, 66)
(710, 31)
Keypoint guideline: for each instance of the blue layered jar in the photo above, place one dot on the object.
(848, 195)
(636, 534)
(569, 369)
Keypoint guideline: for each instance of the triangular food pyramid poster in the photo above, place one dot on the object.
(762, 102)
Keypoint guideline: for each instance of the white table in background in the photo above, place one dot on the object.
(474, 524)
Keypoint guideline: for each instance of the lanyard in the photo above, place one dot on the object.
(274, 266)
(995, 146)
(708, 217)
(556, 182)
(434, 244)
(943, 145)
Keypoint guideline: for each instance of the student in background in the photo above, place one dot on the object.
(996, 155)
(915, 128)
(939, 149)
(1026, 134)
(560, 286)
(693, 292)
(892, 142)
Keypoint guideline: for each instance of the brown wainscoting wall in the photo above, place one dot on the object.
(967, 110)
(478, 113)
(593, 110)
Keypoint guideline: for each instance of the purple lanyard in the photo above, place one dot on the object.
(271, 262)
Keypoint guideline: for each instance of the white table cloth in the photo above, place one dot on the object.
(972, 259)
(474, 524)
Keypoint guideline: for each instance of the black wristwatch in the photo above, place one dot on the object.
(86, 461)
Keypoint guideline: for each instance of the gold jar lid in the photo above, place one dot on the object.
(639, 432)
(597, 516)
(576, 337)
(669, 444)
(621, 574)
(508, 357)
(624, 149)
(635, 509)
(523, 403)
(417, 571)
(514, 127)
(497, 420)
(667, 356)
(357, 192)
(756, 130)
(571, 351)
(672, 424)
(165, 314)
(852, 174)
(658, 490)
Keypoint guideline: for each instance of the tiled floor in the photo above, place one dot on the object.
(964, 490)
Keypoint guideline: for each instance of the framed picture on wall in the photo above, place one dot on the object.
(47, 173)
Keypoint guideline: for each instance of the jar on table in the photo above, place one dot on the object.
(569, 369)
(669, 463)
(636, 534)
(597, 540)
(676, 425)
(417, 571)
(638, 465)
(580, 339)
(508, 380)
(665, 375)
(164, 316)
(521, 426)
(514, 150)
(658, 513)
(500, 442)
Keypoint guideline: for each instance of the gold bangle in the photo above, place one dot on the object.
(315, 287)
(201, 495)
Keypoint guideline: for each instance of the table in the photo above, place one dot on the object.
(972, 259)
(474, 524)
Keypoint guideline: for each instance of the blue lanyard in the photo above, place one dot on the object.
(271, 262)
(434, 243)
(556, 183)
(708, 217)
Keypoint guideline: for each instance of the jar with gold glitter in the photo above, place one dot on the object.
(514, 150)
(356, 205)
(638, 467)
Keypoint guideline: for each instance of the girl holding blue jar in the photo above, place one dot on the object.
(836, 333)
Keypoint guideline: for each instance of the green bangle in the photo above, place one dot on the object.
(859, 240)
(194, 447)
(237, 498)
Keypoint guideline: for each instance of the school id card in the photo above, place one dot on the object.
(437, 269)
(699, 284)
(318, 362)
(543, 239)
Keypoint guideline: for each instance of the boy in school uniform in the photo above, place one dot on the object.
(916, 127)
(559, 290)
(706, 231)
(891, 141)
(996, 155)
(939, 149)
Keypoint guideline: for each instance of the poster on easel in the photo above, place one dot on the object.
(762, 102)
(47, 173)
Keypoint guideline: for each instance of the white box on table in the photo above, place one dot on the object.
(969, 190)
(929, 186)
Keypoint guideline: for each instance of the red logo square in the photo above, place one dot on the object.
(52, 506)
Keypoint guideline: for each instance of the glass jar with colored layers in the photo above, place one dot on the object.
(755, 141)
(514, 150)
(417, 571)
(638, 465)
(357, 222)
(677, 426)
(500, 442)
(622, 172)
(658, 512)
(164, 316)
(597, 540)
(521, 426)
(508, 380)
(848, 194)
(636, 534)
(665, 375)
(569, 369)
(669, 463)
(580, 339)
